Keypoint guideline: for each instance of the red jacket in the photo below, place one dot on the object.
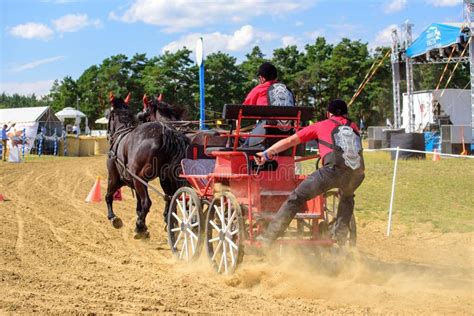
(258, 95)
(322, 130)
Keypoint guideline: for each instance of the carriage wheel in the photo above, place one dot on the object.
(224, 233)
(330, 210)
(185, 224)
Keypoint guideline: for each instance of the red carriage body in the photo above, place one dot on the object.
(231, 180)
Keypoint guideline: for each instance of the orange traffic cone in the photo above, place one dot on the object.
(436, 156)
(95, 195)
(118, 195)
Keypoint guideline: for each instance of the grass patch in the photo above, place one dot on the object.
(428, 193)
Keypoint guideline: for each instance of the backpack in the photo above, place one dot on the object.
(279, 95)
(346, 146)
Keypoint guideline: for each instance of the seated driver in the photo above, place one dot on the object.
(268, 92)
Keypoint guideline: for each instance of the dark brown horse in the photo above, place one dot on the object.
(156, 110)
(139, 154)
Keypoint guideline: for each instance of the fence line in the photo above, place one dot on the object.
(421, 152)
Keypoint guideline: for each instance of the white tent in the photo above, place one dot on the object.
(67, 113)
(71, 113)
(31, 120)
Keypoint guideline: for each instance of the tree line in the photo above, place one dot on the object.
(317, 74)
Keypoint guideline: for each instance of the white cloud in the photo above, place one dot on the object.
(314, 34)
(240, 40)
(183, 14)
(32, 31)
(37, 63)
(39, 88)
(444, 3)
(383, 37)
(289, 41)
(73, 23)
(395, 6)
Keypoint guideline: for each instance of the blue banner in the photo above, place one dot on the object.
(435, 36)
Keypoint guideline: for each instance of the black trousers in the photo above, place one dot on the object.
(324, 179)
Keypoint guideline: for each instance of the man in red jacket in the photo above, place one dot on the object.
(343, 168)
(267, 75)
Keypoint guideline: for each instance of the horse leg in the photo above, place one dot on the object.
(143, 206)
(113, 184)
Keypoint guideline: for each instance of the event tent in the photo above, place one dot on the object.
(437, 36)
(33, 120)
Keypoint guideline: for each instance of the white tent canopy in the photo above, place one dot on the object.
(22, 115)
(68, 113)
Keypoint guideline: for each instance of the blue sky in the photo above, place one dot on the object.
(44, 40)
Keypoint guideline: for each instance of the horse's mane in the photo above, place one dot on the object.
(168, 111)
(126, 117)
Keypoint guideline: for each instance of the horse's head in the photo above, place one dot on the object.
(154, 109)
(120, 117)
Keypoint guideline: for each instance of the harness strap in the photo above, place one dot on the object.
(120, 162)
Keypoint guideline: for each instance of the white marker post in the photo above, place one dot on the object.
(200, 63)
(393, 193)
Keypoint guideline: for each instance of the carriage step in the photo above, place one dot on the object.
(268, 216)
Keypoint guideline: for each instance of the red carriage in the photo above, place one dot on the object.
(231, 199)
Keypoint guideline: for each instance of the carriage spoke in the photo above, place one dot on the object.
(229, 203)
(231, 243)
(176, 217)
(182, 249)
(234, 232)
(194, 224)
(214, 239)
(214, 225)
(183, 207)
(234, 214)
(175, 229)
(225, 256)
(183, 212)
(192, 234)
(186, 245)
(190, 217)
(232, 256)
(220, 264)
(216, 251)
(177, 240)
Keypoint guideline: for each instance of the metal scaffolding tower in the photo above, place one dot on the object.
(396, 79)
(407, 40)
(469, 19)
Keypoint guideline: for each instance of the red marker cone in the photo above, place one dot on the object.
(2, 197)
(95, 195)
(436, 155)
(118, 195)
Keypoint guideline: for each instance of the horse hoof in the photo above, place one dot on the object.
(116, 222)
(142, 235)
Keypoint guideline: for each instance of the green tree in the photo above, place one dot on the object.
(224, 82)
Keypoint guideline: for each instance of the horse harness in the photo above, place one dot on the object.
(114, 143)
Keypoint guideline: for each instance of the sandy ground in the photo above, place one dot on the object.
(59, 254)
